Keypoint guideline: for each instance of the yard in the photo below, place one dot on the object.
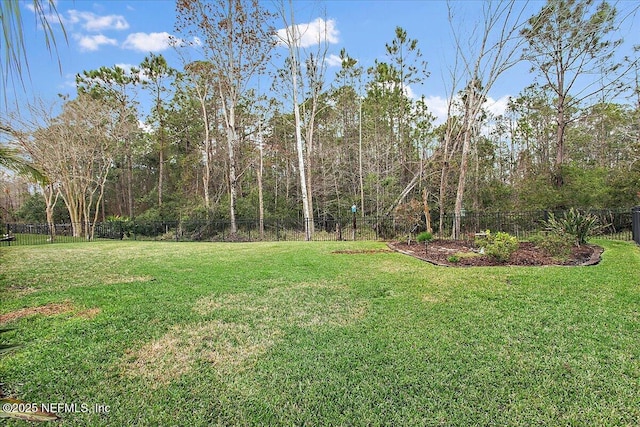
(320, 333)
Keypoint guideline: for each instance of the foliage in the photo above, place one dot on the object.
(555, 245)
(365, 138)
(425, 237)
(409, 215)
(499, 246)
(33, 211)
(454, 259)
(580, 226)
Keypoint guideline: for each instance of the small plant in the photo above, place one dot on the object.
(426, 237)
(499, 246)
(555, 245)
(454, 259)
(576, 224)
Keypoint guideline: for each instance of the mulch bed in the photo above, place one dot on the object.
(439, 252)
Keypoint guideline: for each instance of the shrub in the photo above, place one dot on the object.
(555, 245)
(426, 237)
(499, 246)
(576, 224)
(454, 259)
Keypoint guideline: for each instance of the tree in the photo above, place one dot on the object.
(76, 152)
(112, 87)
(237, 40)
(156, 72)
(200, 75)
(291, 39)
(569, 41)
(484, 57)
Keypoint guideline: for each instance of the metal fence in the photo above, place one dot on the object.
(619, 226)
(635, 212)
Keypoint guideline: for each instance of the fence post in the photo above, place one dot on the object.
(635, 223)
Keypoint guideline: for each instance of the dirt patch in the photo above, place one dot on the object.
(259, 322)
(89, 314)
(224, 345)
(44, 310)
(440, 252)
(121, 280)
(48, 310)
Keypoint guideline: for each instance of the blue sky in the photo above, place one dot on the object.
(123, 32)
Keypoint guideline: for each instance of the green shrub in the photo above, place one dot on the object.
(499, 246)
(426, 237)
(555, 245)
(576, 224)
(454, 259)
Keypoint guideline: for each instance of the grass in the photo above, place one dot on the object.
(293, 333)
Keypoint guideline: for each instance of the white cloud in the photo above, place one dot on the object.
(497, 106)
(438, 106)
(406, 90)
(334, 61)
(145, 127)
(311, 33)
(148, 42)
(93, 43)
(92, 22)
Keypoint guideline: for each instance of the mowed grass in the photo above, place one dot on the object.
(294, 333)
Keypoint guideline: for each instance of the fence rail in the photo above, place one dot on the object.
(619, 226)
(635, 212)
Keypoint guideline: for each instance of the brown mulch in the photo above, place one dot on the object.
(439, 251)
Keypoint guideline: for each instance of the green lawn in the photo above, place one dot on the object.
(292, 333)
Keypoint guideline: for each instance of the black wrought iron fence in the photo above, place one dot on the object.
(618, 225)
(635, 212)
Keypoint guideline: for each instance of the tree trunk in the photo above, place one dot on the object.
(233, 181)
(260, 194)
(558, 179)
(464, 165)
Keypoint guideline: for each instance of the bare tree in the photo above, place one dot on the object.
(200, 74)
(237, 39)
(290, 39)
(487, 53)
(76, 151)
(306, 74)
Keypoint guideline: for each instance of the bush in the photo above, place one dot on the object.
(454, 259)
(576, 224)
(499, 246)
(426, 237)
(555, 245)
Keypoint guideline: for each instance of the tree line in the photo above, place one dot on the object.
(230, 135)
